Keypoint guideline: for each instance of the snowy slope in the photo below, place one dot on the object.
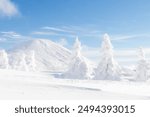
(41, 85)
(49, 55)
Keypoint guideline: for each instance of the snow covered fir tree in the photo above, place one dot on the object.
(142, 67)
(4, 63)
(79, 67)
(30, 61)
(108, 68)
(21, 63)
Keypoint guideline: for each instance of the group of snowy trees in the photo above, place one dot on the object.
(107, 69)
(80, 67)
(24, 62)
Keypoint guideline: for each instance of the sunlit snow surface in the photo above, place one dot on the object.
(43, 85)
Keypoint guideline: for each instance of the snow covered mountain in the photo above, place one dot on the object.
(49, 56)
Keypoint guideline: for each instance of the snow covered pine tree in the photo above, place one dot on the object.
(108, 68)
(79, 67)
(21, 63)
(30, 60)
(3, 60)
(142, 67)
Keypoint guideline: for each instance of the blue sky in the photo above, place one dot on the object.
(126, 21)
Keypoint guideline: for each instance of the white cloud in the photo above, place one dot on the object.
(124, 37)
(8, 8)
(44, 33)
(52, 33)
(11, 34)
(57, 29)
(74, 30)
(127, 37)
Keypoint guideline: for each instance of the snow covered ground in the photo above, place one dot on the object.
(43, 85)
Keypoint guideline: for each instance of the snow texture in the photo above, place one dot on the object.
(41, 85)
(108, 68)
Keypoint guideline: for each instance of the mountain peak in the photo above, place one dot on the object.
(49, 55)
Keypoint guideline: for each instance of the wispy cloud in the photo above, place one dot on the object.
(123, 37)
(68, 31)
(129, 36)
(11, 34)
(44, 33)
(57, 29)
(8, 8)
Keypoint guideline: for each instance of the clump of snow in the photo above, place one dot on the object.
(79, 67)
(108, 68)
(142, 67)
(3, 60)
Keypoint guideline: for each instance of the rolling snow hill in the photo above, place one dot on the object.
(49, 56)
(43, 86)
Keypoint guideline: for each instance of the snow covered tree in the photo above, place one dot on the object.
(79, 67)
(30, 60)
(3, 59)
(20, 63)
(108, 68)
(142, 67)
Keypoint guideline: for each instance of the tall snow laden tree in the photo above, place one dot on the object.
(79, 67)
(142, 67)
(4, 63)
(21, 63)
(108, 68)
(30, 60)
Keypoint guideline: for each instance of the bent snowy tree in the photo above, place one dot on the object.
(79, 67)
(108, 68)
